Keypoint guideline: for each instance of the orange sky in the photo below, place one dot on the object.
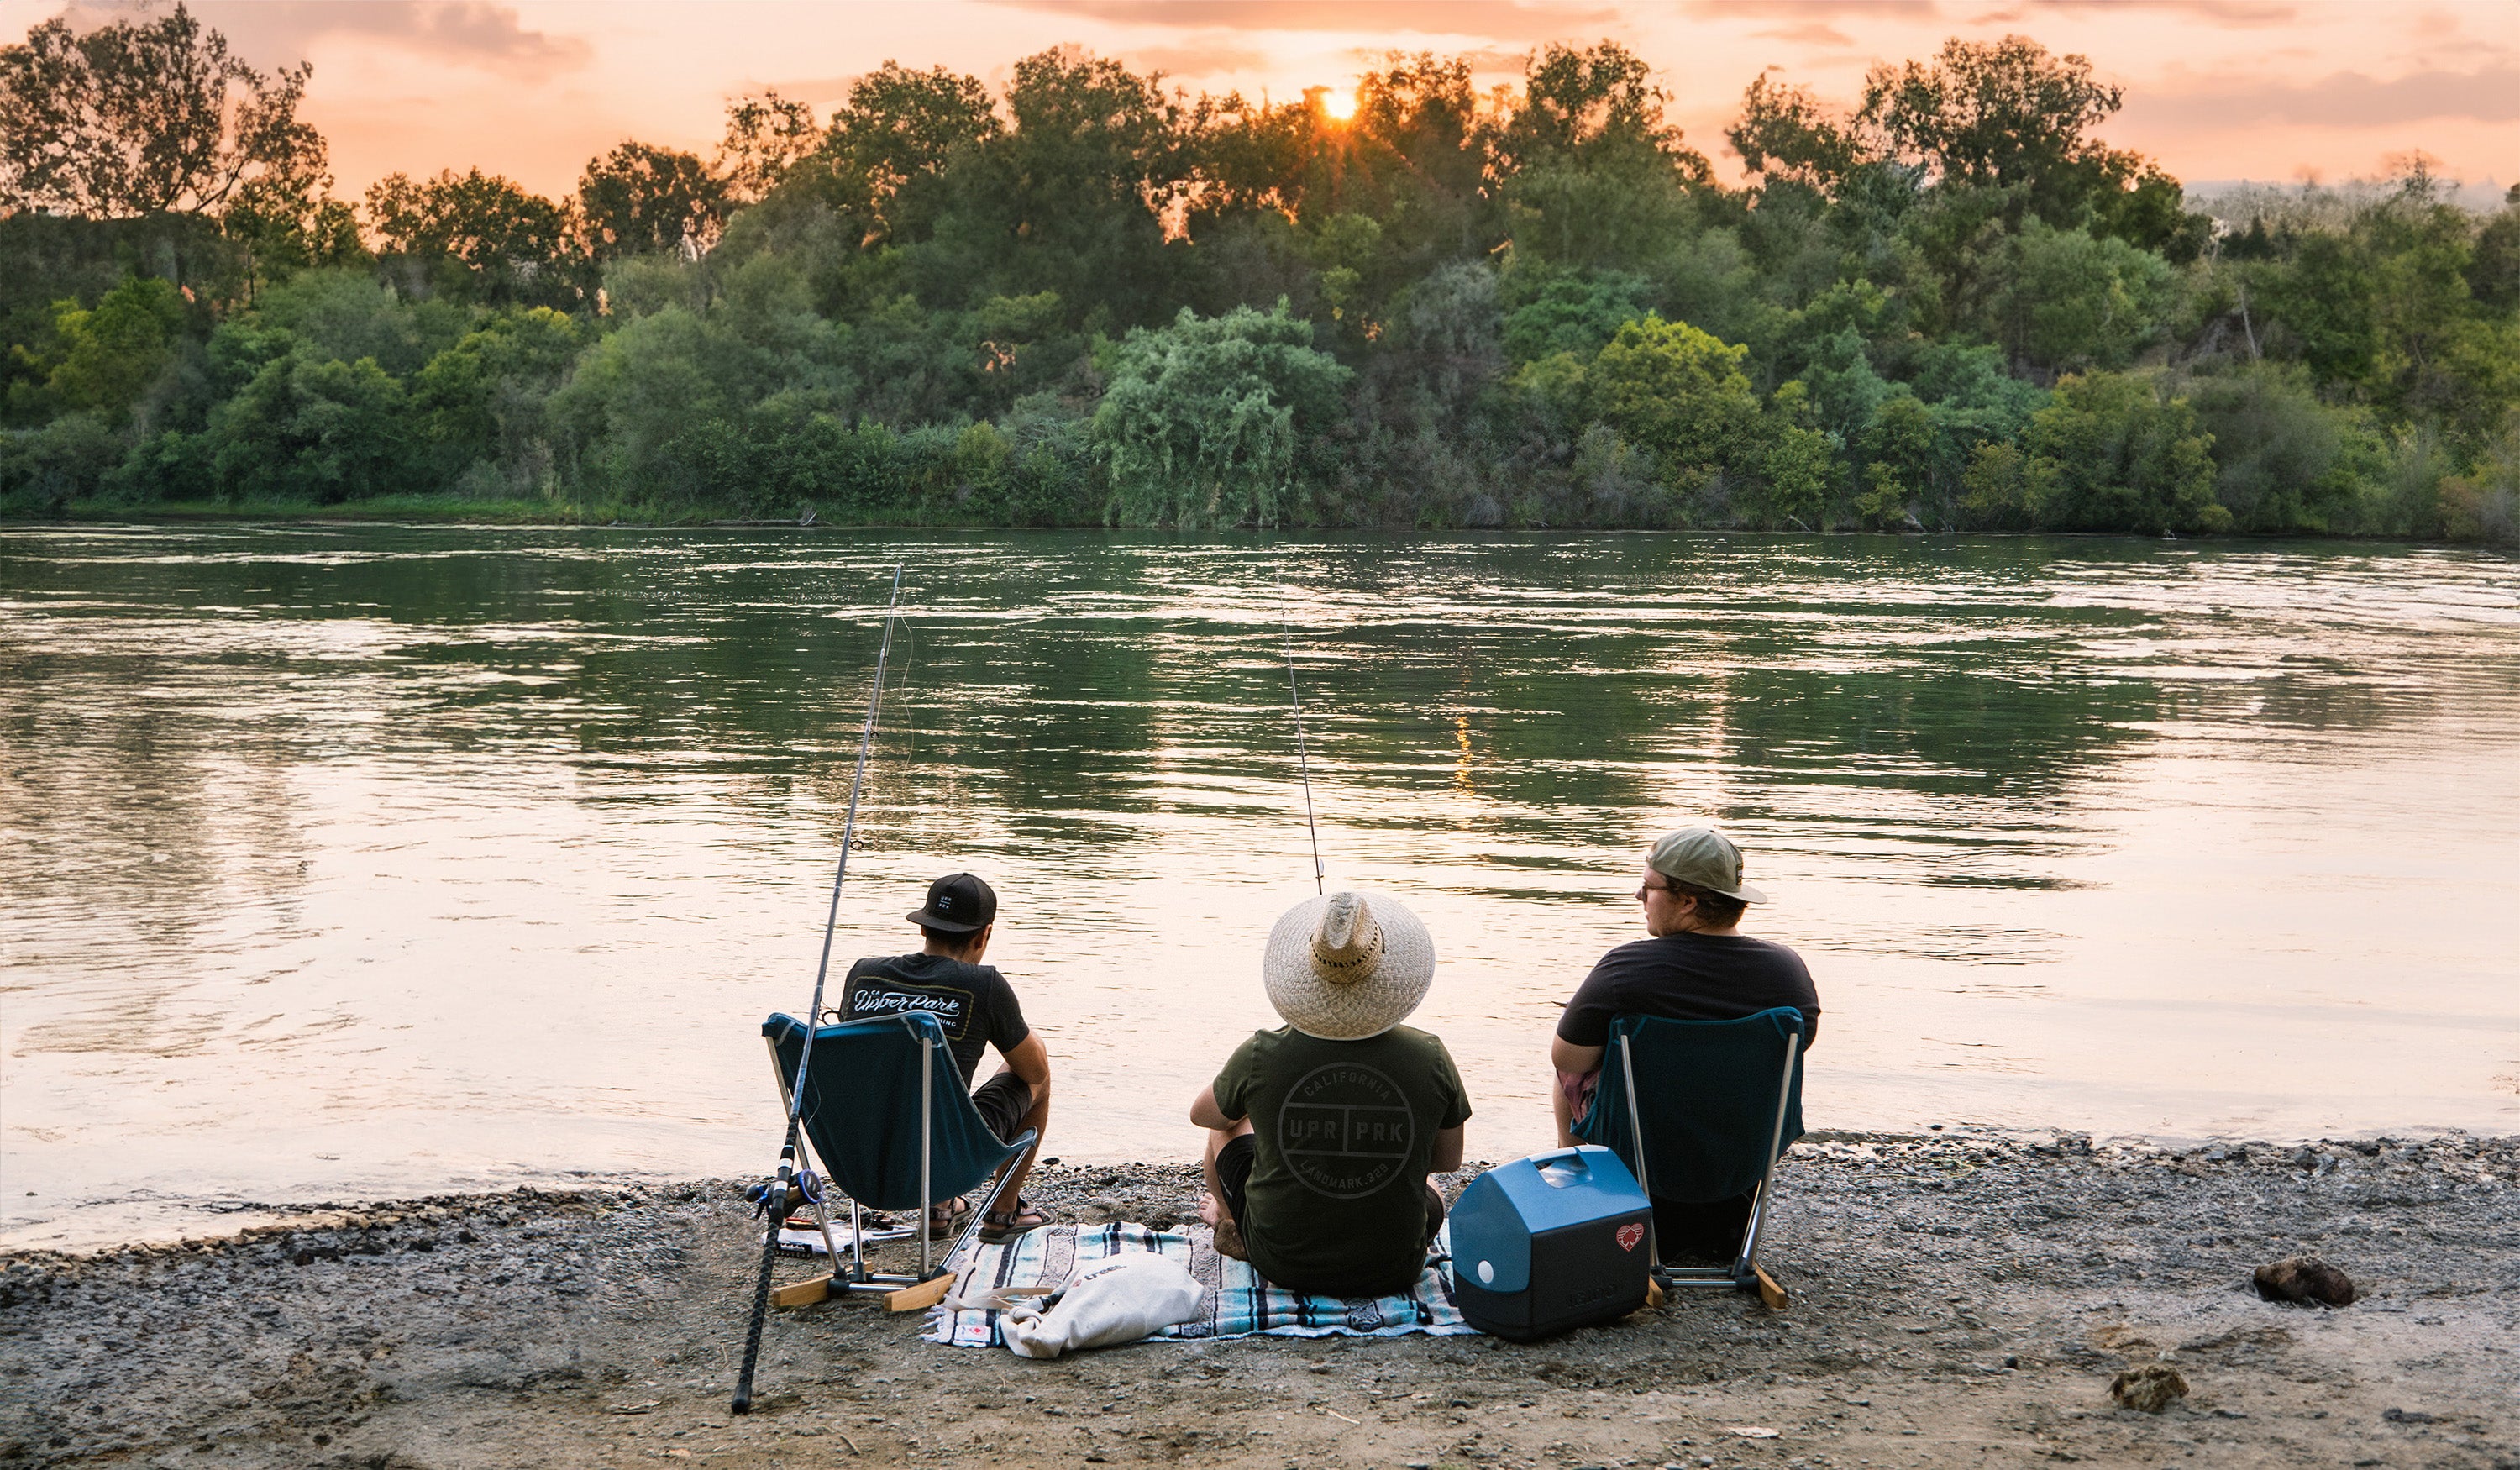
(2217, 89)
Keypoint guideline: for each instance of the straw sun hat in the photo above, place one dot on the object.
(1348, 966)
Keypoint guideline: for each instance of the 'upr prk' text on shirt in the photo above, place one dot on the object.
(973, 1002)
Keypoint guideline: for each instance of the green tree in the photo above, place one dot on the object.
(766, 136)
(1592, 173)
(43, 471)
(1679, 392)
(104, 358)
(2001, 113)
(314, 431)
(2283, 460)
(1201, 420)
(505, 246)
(2067, 300)
(1552, 310)
(136, 119)
(1900, 452)
(644, 199)
(1799, 468)
(889, 147)
(2493, 266)
(1074, 198)
(1783, 134)
(484, 401)
(2117, 452)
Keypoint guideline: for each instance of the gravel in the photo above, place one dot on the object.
(1957, 1298)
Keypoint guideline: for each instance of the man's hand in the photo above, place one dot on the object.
(1578, 1068)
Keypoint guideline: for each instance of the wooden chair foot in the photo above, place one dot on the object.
(803, 1293)
(917, 1298)
(1769, 1293)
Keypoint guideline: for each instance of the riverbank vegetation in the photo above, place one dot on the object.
(1094, 299)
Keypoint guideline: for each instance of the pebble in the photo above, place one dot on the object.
(2150, 1388)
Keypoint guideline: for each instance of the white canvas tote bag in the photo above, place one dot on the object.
(1117, 1300)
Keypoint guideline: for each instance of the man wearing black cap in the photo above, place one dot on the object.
(977, 1009)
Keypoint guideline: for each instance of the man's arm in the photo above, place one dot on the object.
(1575, 1065)
(1446, 1155)
(1030, 1060)
(1204, 1113)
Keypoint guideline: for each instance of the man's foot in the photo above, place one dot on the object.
(945, 1216)
(1225, 1234)
(999, 1227)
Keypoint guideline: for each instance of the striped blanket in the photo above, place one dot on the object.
(1234, 1300)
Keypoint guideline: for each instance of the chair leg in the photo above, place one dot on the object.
(1745, 1260)
(945, 1265)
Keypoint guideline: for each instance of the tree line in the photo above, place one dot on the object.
(1090, 300)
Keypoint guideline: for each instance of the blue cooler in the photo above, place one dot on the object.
(1550, 1243)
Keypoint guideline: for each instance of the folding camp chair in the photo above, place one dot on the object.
(887, 1114)
(1713, 1105)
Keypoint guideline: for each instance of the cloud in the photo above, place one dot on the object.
(1808, 10)
(1810, 34)
(2229, 13)
(1492, 19)
(1197, 58)
(1483, 62)
(2344, 99)
(469, 33)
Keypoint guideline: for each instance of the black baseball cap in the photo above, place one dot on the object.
(958, 903)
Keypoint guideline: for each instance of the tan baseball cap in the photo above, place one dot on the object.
(1706, 858)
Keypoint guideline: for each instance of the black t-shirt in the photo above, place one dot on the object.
(1343, 1134)
(1689, 977)
(972, 1001)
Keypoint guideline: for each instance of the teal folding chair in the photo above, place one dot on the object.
(886, 1115)
(1701, 1111)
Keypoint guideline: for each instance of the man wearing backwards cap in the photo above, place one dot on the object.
(1322, 1133)
(1696, 965)
(977, 1008)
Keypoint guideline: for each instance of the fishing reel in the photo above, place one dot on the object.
(780, 1197)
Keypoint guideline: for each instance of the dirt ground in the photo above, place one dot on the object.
(1957, 1300)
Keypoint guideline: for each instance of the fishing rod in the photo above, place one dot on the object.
(1303, 762)
(781, 1194)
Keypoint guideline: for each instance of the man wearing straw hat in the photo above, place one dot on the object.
(1322, 1133)
(1696, 965)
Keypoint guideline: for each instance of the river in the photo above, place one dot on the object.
(366, 861)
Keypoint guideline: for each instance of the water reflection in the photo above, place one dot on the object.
(368, 860)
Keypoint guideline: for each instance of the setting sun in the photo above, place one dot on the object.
(1339, 105)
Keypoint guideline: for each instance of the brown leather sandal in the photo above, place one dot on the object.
(999, 1227)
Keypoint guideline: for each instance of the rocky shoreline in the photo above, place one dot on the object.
(1959, 1299)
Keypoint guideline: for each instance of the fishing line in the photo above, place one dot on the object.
(1303, 761)
(781, 1194)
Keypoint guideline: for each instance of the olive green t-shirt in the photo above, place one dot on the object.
(1342, 1134)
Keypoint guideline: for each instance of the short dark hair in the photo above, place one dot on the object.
(1719, 910)
(952, 939)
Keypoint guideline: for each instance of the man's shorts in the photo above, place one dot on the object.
(1233, 1173)
(1003, 1101)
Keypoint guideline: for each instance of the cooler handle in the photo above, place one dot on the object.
(1566, 1160)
